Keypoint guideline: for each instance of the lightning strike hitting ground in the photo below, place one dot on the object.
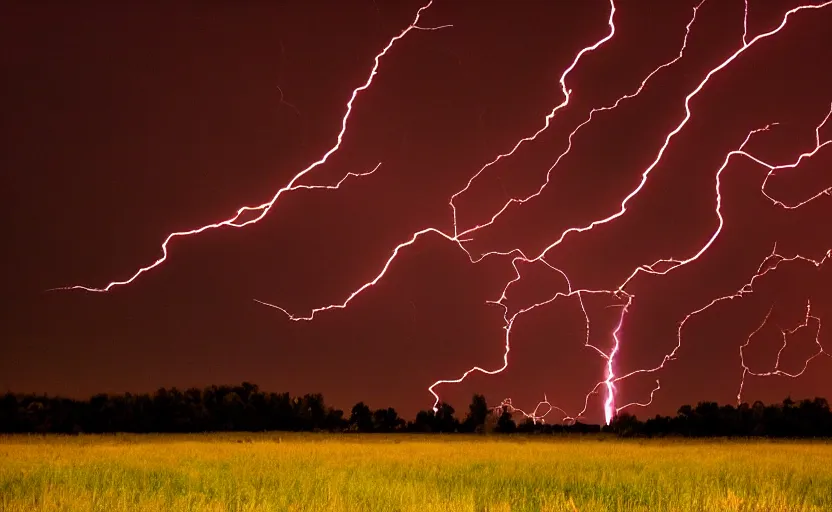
(619, 294)
(609, 383)
(769, 264)
(674, 263)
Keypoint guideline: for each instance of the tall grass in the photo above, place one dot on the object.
(317, 472)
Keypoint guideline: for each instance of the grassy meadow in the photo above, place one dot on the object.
(321, 472)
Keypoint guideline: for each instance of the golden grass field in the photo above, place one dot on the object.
(318, 472)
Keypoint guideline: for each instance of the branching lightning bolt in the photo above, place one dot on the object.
(567, 93)
(785, 333)
(457, 237)
(624, 299)
(609, 405)
(573, 133)
(645, 174)
(674, 264)
(263, 209)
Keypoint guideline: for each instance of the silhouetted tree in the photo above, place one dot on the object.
(478, 413)
(361, 419)
(625, 424)
(444, 419)
(441, 420)
(387, 420)
(505, 423)
(335, 421)
(424, 422)
(528, 426)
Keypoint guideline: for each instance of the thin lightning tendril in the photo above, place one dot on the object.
(769, 264)
(785, 333)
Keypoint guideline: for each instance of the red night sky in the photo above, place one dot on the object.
(124, 123)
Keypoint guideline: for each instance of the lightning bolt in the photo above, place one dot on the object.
(771, 263)
(785, 333)
(261, 210)
(646, 173)
(670, 263)
(624, 299)
(459, 238)
(567, 94)
(772, 169)
(571, 134)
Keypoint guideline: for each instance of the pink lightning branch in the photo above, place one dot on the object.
(460, 236)
(808, 320)
(261, 210)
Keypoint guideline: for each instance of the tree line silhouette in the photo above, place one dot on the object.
(807, 418)
(247, 408)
